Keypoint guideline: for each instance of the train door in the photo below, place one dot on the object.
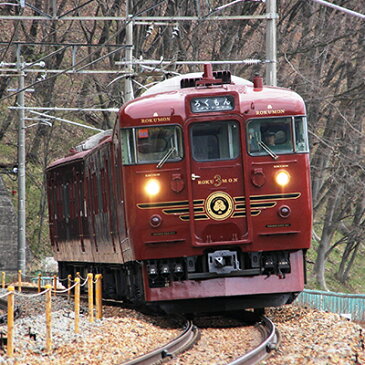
(217, 183)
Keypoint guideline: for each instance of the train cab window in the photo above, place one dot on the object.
(215, 141)
(301, 134)
(277, 136)
(152, 144)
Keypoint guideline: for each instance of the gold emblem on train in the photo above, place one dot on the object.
(219, 205)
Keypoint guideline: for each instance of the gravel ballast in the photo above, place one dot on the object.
(307, 337)
(121, 335)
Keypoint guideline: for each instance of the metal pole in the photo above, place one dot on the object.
(77, 305)
(54, 9)
(10, 338)
(271, 42)
(128, 83)
(90, 294)
(98, 296)
(48, 318)
(21, 169)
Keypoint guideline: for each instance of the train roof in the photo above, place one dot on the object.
(174, 83)
(93, 141)
(83, 149)
(166, 101)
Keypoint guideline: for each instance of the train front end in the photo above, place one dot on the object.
(217, 189)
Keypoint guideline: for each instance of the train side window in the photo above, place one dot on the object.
(278, 135)
(127, 142)
(215, 141)
(66, 201)
(301, 134)
(151, 144)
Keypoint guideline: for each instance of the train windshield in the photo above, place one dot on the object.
(215, 141)
(277, 136)
(151, 144)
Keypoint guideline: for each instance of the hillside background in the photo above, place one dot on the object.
(320, 55)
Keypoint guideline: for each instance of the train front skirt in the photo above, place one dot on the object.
(231, 293)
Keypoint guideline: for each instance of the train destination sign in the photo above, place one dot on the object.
(212, 104)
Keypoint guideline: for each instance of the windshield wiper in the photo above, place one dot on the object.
(166, 157)
(268, 150)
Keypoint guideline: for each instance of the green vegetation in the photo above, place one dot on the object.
(355, 283)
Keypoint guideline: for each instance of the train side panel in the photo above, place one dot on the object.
(85, 224)
(69, 228)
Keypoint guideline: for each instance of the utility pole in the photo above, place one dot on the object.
(128, 83)
(271, 43)
(21, 166)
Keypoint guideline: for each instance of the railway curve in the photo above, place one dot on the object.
(270, 341)
(181, 343)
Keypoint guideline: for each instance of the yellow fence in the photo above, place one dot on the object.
(74, 285)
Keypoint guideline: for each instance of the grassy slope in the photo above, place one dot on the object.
(356, 282)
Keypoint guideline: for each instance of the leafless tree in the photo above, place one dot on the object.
(321, 53)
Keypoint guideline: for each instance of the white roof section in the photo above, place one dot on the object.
(93, 141)
(173, 83)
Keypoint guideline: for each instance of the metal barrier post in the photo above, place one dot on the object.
(77, 305)
(19, 281)
(10, 339)
(39, 282)
(90, 293)
(98, 295)
(68, 287)
(55, 284)
(3, 279)
(48, 318)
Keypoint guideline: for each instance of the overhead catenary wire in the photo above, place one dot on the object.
(70, 69)
(194, 62)
(12, 37)
(115, 34)
(219, 8)
(105, 43)
(340, 8)
(130, 19)
(75, 9)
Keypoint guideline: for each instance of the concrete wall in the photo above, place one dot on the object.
(8, 231)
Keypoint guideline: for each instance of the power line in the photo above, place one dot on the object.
(12, 37)
(115, 34)
(63, 44)
(269, 16)
(340, 8)
(74, 9)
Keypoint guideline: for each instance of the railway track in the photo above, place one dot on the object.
(269, 342)
(181, 343)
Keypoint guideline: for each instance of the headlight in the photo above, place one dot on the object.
(152, 187)
(282, 178)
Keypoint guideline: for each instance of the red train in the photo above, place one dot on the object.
(198, 200)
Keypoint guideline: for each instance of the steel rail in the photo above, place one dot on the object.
(270, 342)
(186, 339)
